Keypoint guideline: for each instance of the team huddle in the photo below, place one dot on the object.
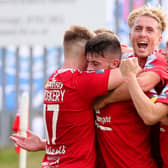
(107, 106)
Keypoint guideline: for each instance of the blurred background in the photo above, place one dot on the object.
(31, 34)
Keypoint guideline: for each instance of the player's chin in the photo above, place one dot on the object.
(143, 54)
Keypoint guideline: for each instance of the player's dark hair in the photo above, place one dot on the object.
(104, 42)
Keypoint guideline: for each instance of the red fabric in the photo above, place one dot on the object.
(157, 63)
(16, 129)
(123, 137)
(164, 144)
(68, 100)
(16, 123)
(163, 98)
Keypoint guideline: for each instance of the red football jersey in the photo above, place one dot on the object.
(157, 63)
(69, 117)
(123, 138)
(163, 98)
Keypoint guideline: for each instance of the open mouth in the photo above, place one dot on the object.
(142, 45)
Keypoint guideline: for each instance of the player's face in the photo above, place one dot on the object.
(145, 36)
(97, 61)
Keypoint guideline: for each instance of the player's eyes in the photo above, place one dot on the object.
(149, 29)
(138, 28)
(95, 64)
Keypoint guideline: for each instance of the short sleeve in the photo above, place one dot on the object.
(93, 84)
(157, 63)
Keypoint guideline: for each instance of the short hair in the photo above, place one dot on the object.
(103, 42)
(76, 34)
(155, 12)
(103, 30)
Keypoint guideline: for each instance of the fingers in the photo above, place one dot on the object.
(126, 49)
(129, 67)
(18, 136)
(99, 105)
(30, 133)
(18, 140)
(134, 60)
(12, 138)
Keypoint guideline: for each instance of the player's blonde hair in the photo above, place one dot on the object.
(155, 12)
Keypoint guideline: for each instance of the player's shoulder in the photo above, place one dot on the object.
(155, 59)
(156, 56)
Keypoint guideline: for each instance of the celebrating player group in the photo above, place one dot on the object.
(107, 106)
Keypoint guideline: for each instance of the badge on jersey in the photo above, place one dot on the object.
(100, 71)
(153, 99)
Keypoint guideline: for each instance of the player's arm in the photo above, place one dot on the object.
(31, 143)
(150, 112)
(146, 80)
(115, 79)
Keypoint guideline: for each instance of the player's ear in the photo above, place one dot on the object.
(160, 39)
(114, 63)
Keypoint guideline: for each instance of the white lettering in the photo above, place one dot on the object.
(54, 95)
(52, 151)
(103, 120)
(53, 84)
(103, 127)
(62, 94)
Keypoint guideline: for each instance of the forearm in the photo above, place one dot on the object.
(150, 112)
(115, 79)
(119, 94)
(146, 81)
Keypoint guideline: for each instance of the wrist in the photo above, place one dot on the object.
(129, 78)
(42, 144)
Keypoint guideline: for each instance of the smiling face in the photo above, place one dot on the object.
(145, 36)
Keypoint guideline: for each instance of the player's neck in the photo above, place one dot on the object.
(142, 61)
(72, 64)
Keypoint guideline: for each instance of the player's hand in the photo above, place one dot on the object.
(129, 67)
(100, 102)
(126, 49)
(31, 143)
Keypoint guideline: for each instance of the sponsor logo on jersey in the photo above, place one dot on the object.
(56, 151)
(53, 84)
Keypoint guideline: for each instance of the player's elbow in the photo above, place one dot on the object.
(148, 82)
(144, 86)
(150, 119)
